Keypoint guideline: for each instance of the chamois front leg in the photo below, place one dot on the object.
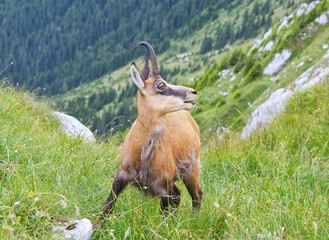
(122, 179)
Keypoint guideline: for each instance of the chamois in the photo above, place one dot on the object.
(163, 144)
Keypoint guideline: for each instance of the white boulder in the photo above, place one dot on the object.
(300, 64)
(224, 73)
(256, 44)
(267, 34)
(301, 9)
(73, 127)
(312, 76)
(284, 23)
(311, 6)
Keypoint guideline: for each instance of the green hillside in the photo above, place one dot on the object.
(273, 185)
(227, 100)
(190, 51)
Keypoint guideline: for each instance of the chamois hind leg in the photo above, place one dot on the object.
(175, 197)
(191, 182)
(172, 198)
(122, 179)
(164, 192)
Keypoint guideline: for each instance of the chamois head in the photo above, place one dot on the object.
(155, 92)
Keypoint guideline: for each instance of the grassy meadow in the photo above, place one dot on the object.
(274, 185)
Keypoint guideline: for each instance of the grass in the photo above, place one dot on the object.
(273, 185)
(43, 173)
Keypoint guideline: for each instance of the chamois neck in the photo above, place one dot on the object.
(146, 116)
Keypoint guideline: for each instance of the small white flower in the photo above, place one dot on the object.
(12, 216)
(63, 202)
(77, 210)
(41, 214)
(228, 215)
(127, 233)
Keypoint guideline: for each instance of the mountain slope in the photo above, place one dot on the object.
(42, 171)
(271, 185)
(107, 103)
(236, 85)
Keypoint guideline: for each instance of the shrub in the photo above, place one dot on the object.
(237, 94)
(254, 72)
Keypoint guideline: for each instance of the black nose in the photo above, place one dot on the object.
(194, 92)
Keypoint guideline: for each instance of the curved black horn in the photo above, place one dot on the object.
(155, 69)
(145, 71)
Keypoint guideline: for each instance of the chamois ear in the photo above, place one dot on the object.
(136, 77)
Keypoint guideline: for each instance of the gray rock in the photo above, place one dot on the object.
(73, 127)
(278, 62)
(74, 230)
(267, 111)
(323, 19)
(268, 47)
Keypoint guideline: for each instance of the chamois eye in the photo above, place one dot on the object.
(161, 86)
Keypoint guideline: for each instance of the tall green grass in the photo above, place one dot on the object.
(45, 175)
(273, 185)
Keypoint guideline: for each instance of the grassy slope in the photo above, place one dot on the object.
(274, 184)
(37, 161)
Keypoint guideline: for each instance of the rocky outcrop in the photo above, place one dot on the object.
(278, 62)
(275, 104)
(267, 111)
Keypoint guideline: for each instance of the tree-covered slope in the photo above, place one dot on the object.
(58, 45)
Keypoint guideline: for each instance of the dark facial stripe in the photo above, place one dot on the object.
(174, 92)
